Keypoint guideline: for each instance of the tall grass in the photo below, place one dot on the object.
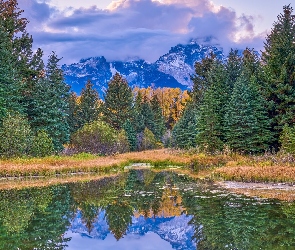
(264, 168)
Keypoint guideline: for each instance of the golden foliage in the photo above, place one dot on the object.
(172, 100)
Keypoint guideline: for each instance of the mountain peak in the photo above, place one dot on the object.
(170, 70)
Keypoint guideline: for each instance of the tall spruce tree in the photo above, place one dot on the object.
(11, 27)
(138, 122)
(210, 136)
(148, 115)
(279, 61)
(159, 122)
(88, 106)
(200, 78)
(130, 134)
(24, 63)
(72, 118)
(51, 104)
(10, 85)
(185, 130)
(233, 68)
(118, 104)
(247, 127)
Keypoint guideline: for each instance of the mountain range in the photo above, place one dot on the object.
(173, 69)
(175, 230)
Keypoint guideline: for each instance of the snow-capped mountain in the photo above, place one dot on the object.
(174, 230)
(170, 70)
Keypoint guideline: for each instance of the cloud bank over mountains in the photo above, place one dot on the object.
(135, 28)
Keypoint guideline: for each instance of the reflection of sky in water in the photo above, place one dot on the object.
(149, 241)
(144, 234)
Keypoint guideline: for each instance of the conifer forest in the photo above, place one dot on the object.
(244, 104)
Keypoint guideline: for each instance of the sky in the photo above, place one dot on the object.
(146, 29)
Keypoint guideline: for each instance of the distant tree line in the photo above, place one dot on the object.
(245, 103)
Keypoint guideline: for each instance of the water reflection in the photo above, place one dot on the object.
(142, 209)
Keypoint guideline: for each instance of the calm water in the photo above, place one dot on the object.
(142, 210)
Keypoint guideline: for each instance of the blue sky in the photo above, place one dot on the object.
(146, 29)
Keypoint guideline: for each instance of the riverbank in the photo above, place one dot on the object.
(233, 167)
(85, 163)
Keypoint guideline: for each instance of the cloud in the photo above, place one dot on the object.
(135, 28)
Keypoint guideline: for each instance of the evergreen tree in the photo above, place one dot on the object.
(51, 104)
(148, 115)
(200, 78)
(25, 66)
(209, 123)
(118, 104)
(279, 61)
(246, 121)
(88, 106)
(72, 118)
(159, 122)
(210, 136)
(184, 132)
(131, 135)
(10, 85)
(138, 122)
(233, 68)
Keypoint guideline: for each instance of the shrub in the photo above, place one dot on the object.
(98, 138)
(146, 140)
(287, 140)
(15, 135)
(42, 145)
(122, 142)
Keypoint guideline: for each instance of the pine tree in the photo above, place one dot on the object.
(131, 135)
(25, 68)
(72, 118)
(10, 82)
(138, 122)
(159, 122)
(148, 115)
(51, 104)
(88, 106)
(10, 85)
(210, 122)
(118, 104)
(200, 78)
(185, 130)
(233, 68)
(279, 60)
(246, 122)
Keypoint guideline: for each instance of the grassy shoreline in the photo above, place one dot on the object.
(267, 168)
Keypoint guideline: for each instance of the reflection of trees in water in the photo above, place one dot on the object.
(34, 218)
(137, 193)
(119, 217)
(39, 217)
(238, 223)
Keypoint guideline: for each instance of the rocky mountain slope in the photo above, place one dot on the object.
(170, 70)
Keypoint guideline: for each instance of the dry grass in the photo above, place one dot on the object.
(283, 195)
(44, 182)
(265, 168)
(257, 173)
(51, 166)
